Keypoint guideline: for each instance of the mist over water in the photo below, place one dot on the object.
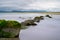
(47, 29)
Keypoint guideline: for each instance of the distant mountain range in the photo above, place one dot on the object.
(24, 11)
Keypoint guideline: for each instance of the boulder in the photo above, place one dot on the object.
(28, 23)
(37, 19)
(9, 39)
(12, 31)
(48, 16)
(9, 29)
(41, 17)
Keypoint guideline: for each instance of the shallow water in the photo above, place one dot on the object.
(47, 29)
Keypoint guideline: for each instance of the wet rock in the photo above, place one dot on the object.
(37, 19)
(41, 17)
(48, 16)
(13, 31)
(28, 23)
(17, 36)
(9, 29)
(9, 39)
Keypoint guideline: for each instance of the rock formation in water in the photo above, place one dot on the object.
(37, 19)
(41, 17)
(9, 29)
(48, 16)
(32, 22)
(28, 22)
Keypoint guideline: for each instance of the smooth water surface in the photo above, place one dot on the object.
(47, 29)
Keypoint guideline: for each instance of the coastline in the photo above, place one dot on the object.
(54, 13)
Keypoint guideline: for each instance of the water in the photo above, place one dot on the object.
(47, 29)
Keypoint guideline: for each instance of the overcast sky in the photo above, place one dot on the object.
(49, 5)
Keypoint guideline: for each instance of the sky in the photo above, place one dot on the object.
(49, 5)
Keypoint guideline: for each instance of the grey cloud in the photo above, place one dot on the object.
(14, 3)
(22, 4)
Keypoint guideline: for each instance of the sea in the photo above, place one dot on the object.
(47, 29)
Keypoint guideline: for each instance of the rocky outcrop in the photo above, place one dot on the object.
(32, 22)
(9, 29)
(41, 17)
(9, 38)
(37, 19)
(28, 23)
(48, 16)
(13, 31)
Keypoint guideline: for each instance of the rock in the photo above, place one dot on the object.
(9, 24)
(17, 36)
(9, 39)
(14, 32)
(9, 29)
(37, 19)
(13, 24)
(28, 23)
(41, 17)
(48, 16)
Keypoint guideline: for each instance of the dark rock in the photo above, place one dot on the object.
(48, 16)
(28, 23)
(14, 32)
(37, 19)
(41, 17)
(17, 36)
(9, 39)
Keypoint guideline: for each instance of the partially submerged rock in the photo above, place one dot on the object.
(9, 24)
(9, 39)
(48, 16)
(37, 19)
(28, 23)
(13, 32)
(41, 17)
(9, 29)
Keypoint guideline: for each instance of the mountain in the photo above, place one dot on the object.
(24, 11)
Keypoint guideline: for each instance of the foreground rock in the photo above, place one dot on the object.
(37, 19)
(9, 38)
(9, 29)
(13, 32)
(28, 23)
(48, 16)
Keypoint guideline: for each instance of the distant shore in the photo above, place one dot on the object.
(55, 13)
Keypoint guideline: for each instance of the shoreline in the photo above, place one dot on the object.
(55, 13)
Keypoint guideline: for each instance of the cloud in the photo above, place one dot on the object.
(42, 5)
(14, 3)
(30, 4)
(45, 5)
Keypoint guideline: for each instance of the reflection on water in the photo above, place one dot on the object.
(47, 29)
